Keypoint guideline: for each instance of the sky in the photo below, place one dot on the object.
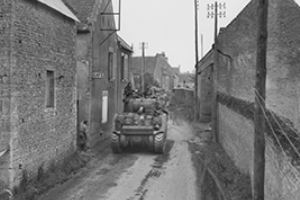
(168, 26)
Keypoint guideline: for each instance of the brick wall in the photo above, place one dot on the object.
(43, 40)
(237, 77)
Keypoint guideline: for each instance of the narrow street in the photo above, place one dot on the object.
(136, 176)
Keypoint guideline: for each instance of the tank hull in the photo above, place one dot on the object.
(143, 126)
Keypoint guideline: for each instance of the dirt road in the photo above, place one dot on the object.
(136, 176)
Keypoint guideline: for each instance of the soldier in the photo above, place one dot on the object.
(128, 93)
(82, 137)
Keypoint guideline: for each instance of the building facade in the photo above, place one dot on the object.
(101, 54)
(236, 94)
(157, 67)
(37, 92)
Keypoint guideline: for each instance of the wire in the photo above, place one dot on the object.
(277, 122)
(271, 127)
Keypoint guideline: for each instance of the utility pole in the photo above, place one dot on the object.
(196, 99)
(202, 46)
(260, 91)
(143, 47)
(214, 8)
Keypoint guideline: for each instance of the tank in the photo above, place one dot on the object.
(143, 125)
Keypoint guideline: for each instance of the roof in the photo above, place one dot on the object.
(60, 7)
(206, 57)
(83, 9)
(124, 44)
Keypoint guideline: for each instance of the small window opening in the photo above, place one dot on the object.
(50, 87)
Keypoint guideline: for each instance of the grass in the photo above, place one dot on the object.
(46, 179)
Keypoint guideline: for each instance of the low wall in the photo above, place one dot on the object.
(237, 135)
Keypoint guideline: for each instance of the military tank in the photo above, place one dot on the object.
(144, 125)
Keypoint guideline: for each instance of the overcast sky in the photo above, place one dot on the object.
(168, 26)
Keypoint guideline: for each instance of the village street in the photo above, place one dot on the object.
(83, 83)
(136, 175)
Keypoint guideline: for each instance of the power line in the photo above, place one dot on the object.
(282, 131)
(272, 129)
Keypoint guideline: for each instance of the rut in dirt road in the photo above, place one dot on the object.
(138, 176)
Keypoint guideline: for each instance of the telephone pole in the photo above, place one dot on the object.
(214, 11)
(260, 91)
(143, 47)
(196, 99)
(202, 46)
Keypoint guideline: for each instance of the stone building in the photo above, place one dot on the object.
(37, 87)
(136, 69)
(236, 94)
(99, 52)
(156, 66)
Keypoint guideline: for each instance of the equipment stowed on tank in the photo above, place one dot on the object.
(144, 125)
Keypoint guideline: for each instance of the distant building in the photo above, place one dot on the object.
(136, 69)
(37, 87)
(186, 80)
(157, 67)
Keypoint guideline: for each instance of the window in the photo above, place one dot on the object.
(124, 67)
(50, 87)
(112, 66)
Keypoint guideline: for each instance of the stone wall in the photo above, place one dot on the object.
(43, 40)
(5, 25)
(237, 138)
(239, 42)
(236, 80)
